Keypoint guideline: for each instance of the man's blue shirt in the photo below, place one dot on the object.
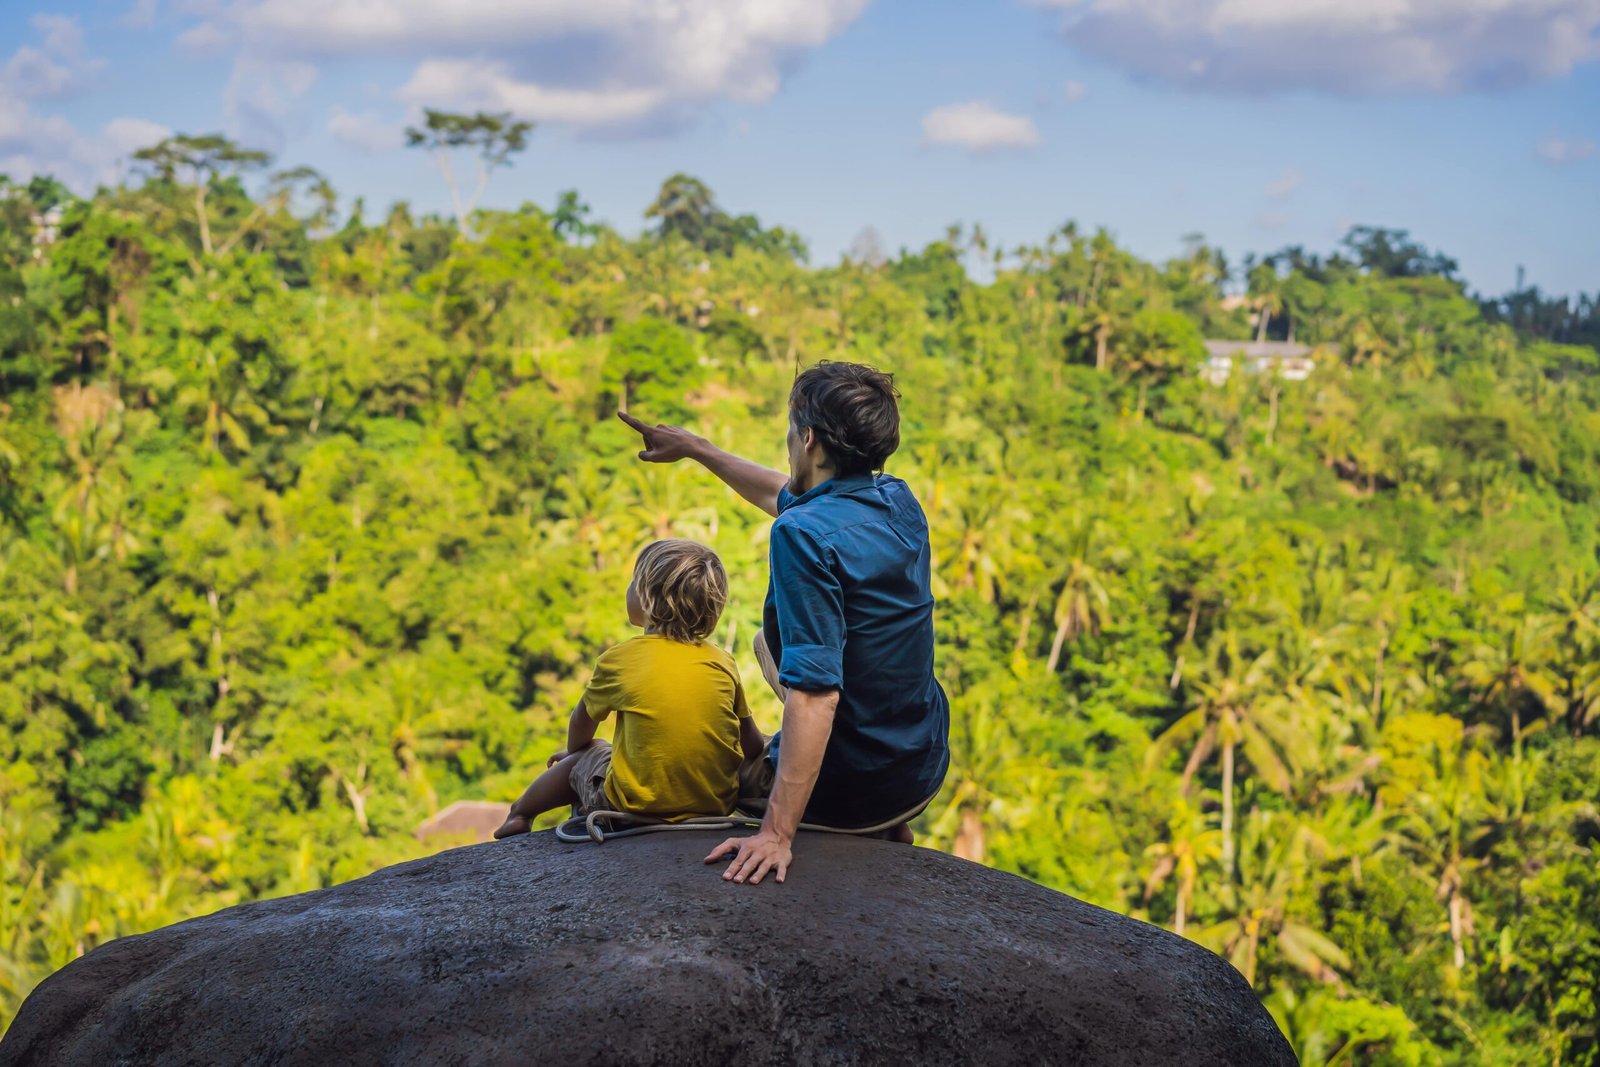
(849, 607)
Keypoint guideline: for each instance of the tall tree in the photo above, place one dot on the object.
(202, 160)
(495, 138)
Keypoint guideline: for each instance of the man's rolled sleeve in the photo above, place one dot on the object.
(810, 611)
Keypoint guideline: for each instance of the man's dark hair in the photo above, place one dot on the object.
(853, 409)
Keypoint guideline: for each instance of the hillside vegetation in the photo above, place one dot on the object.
(309, 528)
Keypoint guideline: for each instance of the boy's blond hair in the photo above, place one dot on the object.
(682, 588)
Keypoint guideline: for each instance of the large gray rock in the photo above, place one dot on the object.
(531, 951)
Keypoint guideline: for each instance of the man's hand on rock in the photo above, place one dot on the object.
(662, 444)
(754, 857)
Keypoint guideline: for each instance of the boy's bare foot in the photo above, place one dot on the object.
(514, 824)
(902, 834)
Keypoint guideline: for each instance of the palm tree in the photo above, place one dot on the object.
(1368, 344)
(1275, 861)
(987, 765)
(1577, 664)
(587, 512)
(1189, 844)
(1235, 709)
(427, 726)
(1082, 605)
(1513, 675)
(1437, 816)
(663, 504)
(1095, 326)
(975, 542)
(1267, 289)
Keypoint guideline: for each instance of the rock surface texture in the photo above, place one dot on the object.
(633, 952)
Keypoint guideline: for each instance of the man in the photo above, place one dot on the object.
(847, 629)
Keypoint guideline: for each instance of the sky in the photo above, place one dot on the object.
(1256, 123)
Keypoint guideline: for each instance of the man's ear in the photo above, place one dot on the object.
(811, 441)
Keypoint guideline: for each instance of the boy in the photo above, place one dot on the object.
(683, 727)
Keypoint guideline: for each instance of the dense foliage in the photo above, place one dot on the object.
(308, 532)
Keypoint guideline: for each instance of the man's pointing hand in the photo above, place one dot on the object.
(662, 444)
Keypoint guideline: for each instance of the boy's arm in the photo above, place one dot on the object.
(580, 728)
(751, 740)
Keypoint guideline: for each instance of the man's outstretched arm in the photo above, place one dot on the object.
(807, 725)
(668, 444)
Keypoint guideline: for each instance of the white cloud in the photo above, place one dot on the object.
(465, 83)
(1073, 91)
(1342, 46)
(1286, 183)
(142, 13)
(978, 127)
(364, 131)
(34, 143)
(1559, 151)
(49, 144)
(206, 38)
(588, 63)
(262, 96)
(62, 35)
(125, 136)
(31, 72)
(58, 67)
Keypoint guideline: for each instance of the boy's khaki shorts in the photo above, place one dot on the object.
(588, 779)
(758, 776)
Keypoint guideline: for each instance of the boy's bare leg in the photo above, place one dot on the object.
(552, 789)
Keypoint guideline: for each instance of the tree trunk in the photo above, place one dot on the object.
(1377, 682)
(1261, 324)
(1227, 811)
(1272, 414)
(1188, 635)
(969, 843)
(455, 191)
(200, 214)
(358, 802)
(1026, 626)
(1100, 338)
(1455, 928)
(1055, 646)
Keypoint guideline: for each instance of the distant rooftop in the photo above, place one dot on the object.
(475, 818)
(1291, 362)
(1258, 349)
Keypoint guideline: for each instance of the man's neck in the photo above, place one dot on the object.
(809, 480)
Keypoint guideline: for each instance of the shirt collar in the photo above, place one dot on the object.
(833, 487)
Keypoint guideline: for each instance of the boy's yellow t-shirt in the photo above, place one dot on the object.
(676, 748)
